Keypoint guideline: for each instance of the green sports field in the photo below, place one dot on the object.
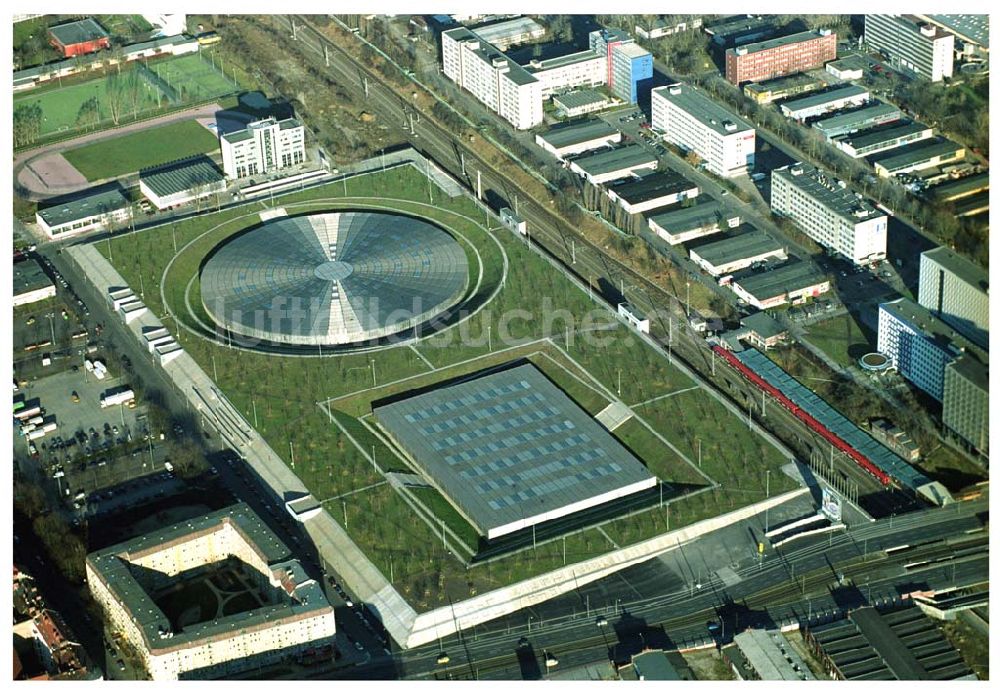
(186, 79)
(118, 156)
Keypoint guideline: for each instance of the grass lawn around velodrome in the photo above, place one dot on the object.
(118, 156)
(334, 461)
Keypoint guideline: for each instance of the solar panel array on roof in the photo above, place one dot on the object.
(510, 450)
(333, 278)
(881, 456)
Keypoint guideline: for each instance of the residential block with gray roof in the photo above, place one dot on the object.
(829, 212)
(495, 80)
(957, 291)
(691, 120)
(138, 585)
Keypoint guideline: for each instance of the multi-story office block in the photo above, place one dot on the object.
(266, 145)
(942, 363)
(498, 82)
(689, 119)
(631, 72)
(583, 69)
(966, 406)
(829, 212)
(754, 62)
(912, 46)
(956, 291)
(603, 42)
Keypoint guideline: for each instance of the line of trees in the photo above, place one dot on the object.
(27, 123)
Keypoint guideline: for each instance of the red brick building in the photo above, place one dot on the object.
(79, 38)
(756, 62)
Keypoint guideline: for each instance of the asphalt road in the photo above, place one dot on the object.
(767, 594)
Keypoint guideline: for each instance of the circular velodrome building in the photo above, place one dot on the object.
(334, 278)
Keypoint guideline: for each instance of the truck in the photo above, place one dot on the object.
(88, 365)
(28, 412)
(169, 467)
(111, 399)
(99, 373)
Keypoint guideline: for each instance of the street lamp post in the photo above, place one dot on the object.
(767, 492)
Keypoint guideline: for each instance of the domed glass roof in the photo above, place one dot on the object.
(334, 278)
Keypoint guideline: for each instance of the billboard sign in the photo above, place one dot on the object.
(831, 506)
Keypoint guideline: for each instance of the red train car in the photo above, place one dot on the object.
(805, 417)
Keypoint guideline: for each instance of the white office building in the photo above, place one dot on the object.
(918, 48)
(956, 291)
(829, 212)
(498, 82)
(265, 146)
(583, 69)
(691, 120)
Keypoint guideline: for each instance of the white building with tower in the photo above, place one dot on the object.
(264, 146)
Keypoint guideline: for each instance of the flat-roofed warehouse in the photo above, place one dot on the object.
(681, 224)
(739, 252)
(574, 139)
(618, 163)
(652, 191)
(902, 645)
(846, 123)
(845, 96)
(881, 139)
(580, 102)
(782, 87)
(510, 450)
(31, 284)
(789, 283)
(181, 182)
(963, 187)
(919, 156)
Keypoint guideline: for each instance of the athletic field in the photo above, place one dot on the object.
(164, 84)
(118, 156)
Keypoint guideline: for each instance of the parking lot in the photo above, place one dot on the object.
(94, 448)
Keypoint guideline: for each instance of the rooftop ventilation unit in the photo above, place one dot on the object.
(928, 30)
(741, 50)
(729, 125)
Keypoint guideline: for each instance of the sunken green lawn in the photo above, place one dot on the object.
(333, 443)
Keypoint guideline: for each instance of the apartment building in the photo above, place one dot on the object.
(264, 146)
(829, 212)
(495, 80)
(689, 119)
(132, 582)
(912, 45)
(786, 55)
